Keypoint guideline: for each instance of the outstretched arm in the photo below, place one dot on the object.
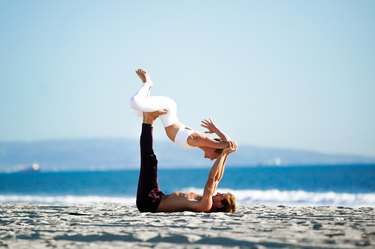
(214, 177)
(213, 128)
(204, 203)
(199, 139)
(232, 147)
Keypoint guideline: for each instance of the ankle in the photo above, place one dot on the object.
(148, 119)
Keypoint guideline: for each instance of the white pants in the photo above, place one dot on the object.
(141, 101)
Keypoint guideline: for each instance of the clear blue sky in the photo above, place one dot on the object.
(289, 74)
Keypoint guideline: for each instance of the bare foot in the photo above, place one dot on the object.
(150, 117)
(144, 76)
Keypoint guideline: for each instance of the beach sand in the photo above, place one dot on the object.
(107, 225)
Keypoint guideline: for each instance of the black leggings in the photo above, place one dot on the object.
(148, 193)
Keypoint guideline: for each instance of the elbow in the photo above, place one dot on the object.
(224, 144)
(205, 207)
(221, 146)
(134, 102)
(214, 178)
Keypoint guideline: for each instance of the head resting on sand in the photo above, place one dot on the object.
(223, 203)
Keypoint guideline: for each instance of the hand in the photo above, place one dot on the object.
(231, 148)
(209, 125)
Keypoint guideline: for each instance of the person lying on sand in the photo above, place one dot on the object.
(151, 199)
(179, 133)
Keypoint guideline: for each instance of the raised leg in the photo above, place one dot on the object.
(141, 101)
(148, 192)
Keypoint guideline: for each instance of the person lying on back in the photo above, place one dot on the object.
(151, 199)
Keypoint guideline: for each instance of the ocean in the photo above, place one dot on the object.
(339, 185)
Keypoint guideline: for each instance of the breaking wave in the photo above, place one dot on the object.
(248, 196)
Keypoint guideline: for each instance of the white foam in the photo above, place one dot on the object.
(248, 196)
(298, 197)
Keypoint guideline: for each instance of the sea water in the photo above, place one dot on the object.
(339, 185)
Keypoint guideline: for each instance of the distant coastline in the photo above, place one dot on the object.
(120, 153)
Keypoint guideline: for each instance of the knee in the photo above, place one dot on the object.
(134, 102)
(172, 106)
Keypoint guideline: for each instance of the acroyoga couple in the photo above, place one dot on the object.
(149, 197)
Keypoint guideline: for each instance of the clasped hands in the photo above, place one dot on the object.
(212, 128)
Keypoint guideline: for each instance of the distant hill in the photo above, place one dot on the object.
(105, 153)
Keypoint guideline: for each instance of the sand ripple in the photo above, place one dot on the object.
(122, 226)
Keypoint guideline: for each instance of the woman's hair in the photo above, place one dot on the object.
(229, 204)
(218, 151)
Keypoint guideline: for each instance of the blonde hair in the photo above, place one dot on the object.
(229, 204)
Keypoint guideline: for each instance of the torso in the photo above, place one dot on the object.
(177, 201)
(184, 195)
(172, 130)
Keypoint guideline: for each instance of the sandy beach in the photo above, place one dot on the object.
(122, 226)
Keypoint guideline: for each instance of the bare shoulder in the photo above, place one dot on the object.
(196, 138)
(197, 134)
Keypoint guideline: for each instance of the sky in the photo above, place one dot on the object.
(285, 74)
